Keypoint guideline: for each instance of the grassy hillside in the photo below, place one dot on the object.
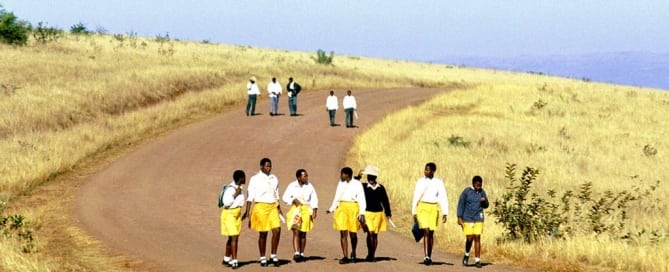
(68, 106)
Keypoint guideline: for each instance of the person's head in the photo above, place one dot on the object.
(302, 176)
(274, 79)
(430, 168)
(346, 173)
(372, 172)
(290, 79)
(477, 183)
(331, 92)
(239, 177)
(252, 79)
(348, 92)
(266, 165)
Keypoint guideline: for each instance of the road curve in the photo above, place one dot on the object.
(157, 204)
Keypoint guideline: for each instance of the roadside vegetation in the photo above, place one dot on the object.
(574, 170)
(72, 101)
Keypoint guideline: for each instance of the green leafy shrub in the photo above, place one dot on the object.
(80, 29)
(323, 58)
(14, 226)
(457, 141)
(45, 34)
(530, 216)
(12, 30)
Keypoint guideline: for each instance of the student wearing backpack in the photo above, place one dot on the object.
(231, 199)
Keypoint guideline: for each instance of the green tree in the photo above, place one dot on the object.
(13, 30)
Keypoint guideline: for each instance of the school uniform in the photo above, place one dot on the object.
(300, 215)
(348, 204)
(429, 200)
(263, 191)
(231, 219)
(378, 207)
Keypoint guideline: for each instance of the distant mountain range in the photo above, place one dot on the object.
(625, 68)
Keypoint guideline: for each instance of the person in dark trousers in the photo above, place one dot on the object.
(293, 88)
(350, 106)
(473, 200)
(332, 105)
(378, 211)
(253, 92)
(231, 217)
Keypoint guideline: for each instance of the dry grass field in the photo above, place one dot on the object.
(67, 105)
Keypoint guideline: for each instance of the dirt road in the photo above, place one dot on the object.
(158, 204)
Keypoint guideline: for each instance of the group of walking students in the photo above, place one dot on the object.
(355, 206)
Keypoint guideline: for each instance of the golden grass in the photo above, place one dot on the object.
(573, 132)
(75, 104)
(66, 105)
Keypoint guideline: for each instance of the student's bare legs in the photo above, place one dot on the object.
(343, 241)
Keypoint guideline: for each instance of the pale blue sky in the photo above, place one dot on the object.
(406, 30)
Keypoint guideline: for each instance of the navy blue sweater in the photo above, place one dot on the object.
(470, 206)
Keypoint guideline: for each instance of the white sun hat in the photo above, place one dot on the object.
(371, 170)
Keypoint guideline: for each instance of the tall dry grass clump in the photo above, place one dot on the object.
(573, 132)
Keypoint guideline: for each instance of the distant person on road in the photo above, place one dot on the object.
(303, 200)
(350, 106)
(263, 195)
(377, 213)
(348, 206)
(293, 88)
(253, 92)
(231, 218)
(428, 199)
(470, 217)
(332, 105)
(274, 89)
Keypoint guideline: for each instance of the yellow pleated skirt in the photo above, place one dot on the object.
(231, 221)
(301, 217)
(427, 215)
(346, 217)
(265, 217)
(376, 221)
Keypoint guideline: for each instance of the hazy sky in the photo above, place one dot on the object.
(406, 30)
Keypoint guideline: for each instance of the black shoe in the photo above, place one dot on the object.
(353, 257)
(276, 262)
(478, 264)
(234, 265)
(344, 260)
(427, 261)
(370, 258)
(465, 260)
(263, 263)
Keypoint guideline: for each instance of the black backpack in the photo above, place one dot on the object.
(220, 195)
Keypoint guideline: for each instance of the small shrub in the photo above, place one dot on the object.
(539, 104)
(323, 58)
(14, 226)
(44, 34)
(457, 141)
(12, 30)
(649, 150)
(80, 29)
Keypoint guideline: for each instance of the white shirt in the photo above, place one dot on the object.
(350, 191)
(349, 102)
(252, 88)
(306, 194)
(274, 88)
(331, 103)
(430, 191)
(263, 188)
(229, 201)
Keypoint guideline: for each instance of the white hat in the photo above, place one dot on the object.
(371, 170)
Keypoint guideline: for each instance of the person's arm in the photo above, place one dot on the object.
(484, 200)
(335, 200)
(417, 193)
(313, 204)
(443, 199)
(289, 195)
(385, 202)
(461, 207)
(362, 201)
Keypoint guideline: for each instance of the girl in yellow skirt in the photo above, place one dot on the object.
(231, 221)
(429, 198)
(378, 209)
(348, 207)
(303, 200)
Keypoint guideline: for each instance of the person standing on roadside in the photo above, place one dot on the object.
(377, 213)
(253, 92)
(428, 199)
(350, 106)
(265, 215)
(470, 217)
(348, 206)
(274, 89)
(293, 88)
(332, 105)
(303, 200)
(231, 218)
